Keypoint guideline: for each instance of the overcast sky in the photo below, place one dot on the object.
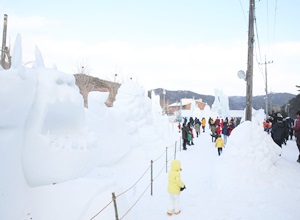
(177, 45)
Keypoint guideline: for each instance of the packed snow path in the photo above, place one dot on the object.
(201, 199)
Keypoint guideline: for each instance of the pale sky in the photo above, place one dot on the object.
(191, 45)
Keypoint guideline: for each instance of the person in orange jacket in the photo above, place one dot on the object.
(267, 126)
(203, 123)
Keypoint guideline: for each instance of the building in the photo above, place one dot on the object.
(185, 104)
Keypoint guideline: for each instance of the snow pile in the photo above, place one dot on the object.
(249, 152)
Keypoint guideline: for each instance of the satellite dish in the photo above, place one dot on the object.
(241, 74)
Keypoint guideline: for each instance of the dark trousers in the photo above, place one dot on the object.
(214, 137)
(219, 150)
(298, 145)
(278, 142)
(185, 141)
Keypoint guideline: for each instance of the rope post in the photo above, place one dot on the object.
(115, 205)
(175, 150)
(166, 159)
(179, 144)
(151, 177)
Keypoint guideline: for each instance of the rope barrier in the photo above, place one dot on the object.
(159, 173)
(170, 158)
(159, 156)
(134, 183)
(101, 210)
(135, 202)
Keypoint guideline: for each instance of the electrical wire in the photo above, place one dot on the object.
(258, 46)
(275, 19)
(243, 11)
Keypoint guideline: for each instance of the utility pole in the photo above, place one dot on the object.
(249, 73)
(3, 50)
(266, 84)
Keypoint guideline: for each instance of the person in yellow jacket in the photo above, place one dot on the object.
(219, 144)
(203, 123)
(175, 186)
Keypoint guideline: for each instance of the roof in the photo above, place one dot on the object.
(185, 102)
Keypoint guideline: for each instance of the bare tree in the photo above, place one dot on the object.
(82, 68)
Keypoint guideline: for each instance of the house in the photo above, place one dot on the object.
(185, 104)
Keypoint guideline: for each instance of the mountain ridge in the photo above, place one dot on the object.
(275, 100)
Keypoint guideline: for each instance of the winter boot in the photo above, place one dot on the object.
(176, 213)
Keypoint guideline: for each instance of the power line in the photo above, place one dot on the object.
(268, 32)
(275, 18)
(258, 46)
(243, 11)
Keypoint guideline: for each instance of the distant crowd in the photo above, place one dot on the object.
(218, 127)
(283, 129)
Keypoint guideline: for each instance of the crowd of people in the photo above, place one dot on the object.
(283, 129)
(220, 129)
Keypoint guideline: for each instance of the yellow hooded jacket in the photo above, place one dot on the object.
(219, 142)
(175, 183)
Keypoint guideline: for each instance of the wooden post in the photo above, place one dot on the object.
(3, 50)
(115, 205)
(175, 150)
(266, 85)
(166, 159)
(249, 74)
(179, 144)
(151, 177)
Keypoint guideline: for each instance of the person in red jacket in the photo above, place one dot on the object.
(231, 127)
(218, 129)
(297, 133)
(179, 127)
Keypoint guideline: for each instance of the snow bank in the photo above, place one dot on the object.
(248, 151)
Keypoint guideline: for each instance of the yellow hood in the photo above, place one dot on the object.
(175, 165)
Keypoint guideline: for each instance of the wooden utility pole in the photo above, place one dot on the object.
(249, 74)
(3, 50)
(266, 84)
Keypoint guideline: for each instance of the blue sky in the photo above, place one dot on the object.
(177, 45)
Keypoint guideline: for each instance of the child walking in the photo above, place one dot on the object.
(175, 186)
(219, 144)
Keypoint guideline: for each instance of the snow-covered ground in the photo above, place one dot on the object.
(61, 161)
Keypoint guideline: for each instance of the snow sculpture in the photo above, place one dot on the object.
(59, 139)
(55, 134)
(156, 108)
(17, 53)
(221, 104)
